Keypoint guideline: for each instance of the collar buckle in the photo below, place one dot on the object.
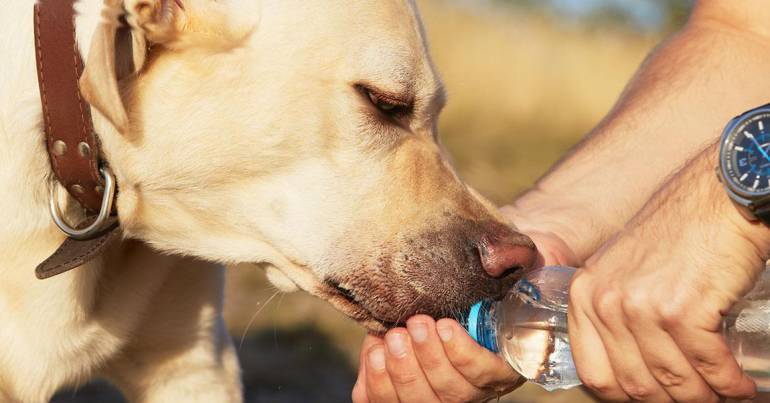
(102, 219)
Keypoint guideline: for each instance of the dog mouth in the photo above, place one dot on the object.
(355, 304)
(346, 301)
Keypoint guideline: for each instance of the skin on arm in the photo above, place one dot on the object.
(679, 100)
(645, 312)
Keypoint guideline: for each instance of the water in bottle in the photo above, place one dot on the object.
(528, 329)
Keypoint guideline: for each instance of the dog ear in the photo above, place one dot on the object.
(119, 45)
(119, 48)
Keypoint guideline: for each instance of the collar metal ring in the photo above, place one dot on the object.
(101, 219)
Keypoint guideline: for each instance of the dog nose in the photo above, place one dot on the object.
(501, 253)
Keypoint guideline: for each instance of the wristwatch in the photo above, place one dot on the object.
(744, 163)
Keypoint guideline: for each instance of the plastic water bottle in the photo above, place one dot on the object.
(528, 329)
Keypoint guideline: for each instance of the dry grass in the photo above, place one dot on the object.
(522, 89)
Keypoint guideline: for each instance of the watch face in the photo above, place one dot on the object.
(746, 155)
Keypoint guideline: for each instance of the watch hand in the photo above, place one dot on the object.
(759, 146)
(762, 150)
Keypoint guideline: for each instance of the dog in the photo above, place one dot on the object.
(299, 135)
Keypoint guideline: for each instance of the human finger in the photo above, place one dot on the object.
(591, 360)
(378, 385)
(708, 353)
(447, 382)
(623, 353)
(666, 361)
(478, 365)
(406, 376)
(359, 394)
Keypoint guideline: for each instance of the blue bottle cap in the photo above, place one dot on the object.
(481, 325)
(472, 324)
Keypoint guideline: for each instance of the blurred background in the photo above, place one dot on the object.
(526, 80)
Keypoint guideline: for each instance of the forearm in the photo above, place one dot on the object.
(677, 103)
(692, 210)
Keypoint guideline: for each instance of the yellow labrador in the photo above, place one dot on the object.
(299, 134)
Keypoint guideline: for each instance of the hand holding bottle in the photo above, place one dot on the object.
(528, 329)
(646, 311)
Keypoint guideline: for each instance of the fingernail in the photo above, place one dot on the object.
(445, 332)
(418, 331)
(377, 358)
(396, 344)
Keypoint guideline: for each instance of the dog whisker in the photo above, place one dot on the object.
(253, 317)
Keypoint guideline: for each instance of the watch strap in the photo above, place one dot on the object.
(763, 213)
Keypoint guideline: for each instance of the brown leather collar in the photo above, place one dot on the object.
(72, 144)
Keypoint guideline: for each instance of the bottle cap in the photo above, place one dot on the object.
(480, 325)
(473, 320)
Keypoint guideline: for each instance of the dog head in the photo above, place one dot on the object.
(300, 135)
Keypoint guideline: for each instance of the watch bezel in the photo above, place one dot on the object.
(741, 196)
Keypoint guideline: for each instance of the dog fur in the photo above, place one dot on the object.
(248, 132)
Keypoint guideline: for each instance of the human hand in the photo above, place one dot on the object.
(439, 361)
(645, 313)
(552, 247)
(430, 361)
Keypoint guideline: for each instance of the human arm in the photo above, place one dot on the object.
(645, 312)
(711, 70)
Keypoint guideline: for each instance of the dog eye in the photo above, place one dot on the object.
(382, 104)
(387, 104)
